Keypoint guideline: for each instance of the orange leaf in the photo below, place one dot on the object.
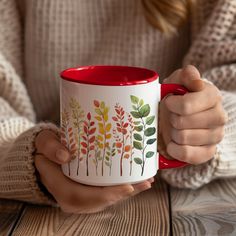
(118, 145)
(108, 127)
(127, 148)
(101, 131)
(100, 138)
(126, 156)
(108, 136)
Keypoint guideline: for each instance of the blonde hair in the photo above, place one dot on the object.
(167, 15)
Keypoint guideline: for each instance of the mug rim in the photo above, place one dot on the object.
(125, 75)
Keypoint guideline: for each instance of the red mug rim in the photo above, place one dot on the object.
(121, 75)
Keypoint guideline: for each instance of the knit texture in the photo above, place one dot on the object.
(38, 39)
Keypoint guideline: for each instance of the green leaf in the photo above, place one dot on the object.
(150, 120)
(137, 122)
(149, 154)
(108, 164)
(135, 114)
(145, 110)
(107, 158)
(149, 131)
(138, 128)
(98, 111)
(134, 99)
(134, 107)
(151, 141)
(138, 145)
(141, 102)
(138, 161)
(99, 158)
(138, 137)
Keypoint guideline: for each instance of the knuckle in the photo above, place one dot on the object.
(186, 107)
(180, 136)
(186, 154)
(177, 122)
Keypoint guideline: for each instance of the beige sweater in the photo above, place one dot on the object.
(40, 38)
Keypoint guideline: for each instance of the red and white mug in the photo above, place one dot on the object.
(109, 123)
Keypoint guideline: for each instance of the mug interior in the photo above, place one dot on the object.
(109, 75)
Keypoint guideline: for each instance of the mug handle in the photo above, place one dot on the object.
(175, 89)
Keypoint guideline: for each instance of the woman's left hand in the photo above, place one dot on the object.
(193, 124)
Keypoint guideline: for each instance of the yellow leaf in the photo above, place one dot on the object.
(100, 145)
(106, 110)
(100, 138)
(98, 118)
(101, 130)
(108, 136)
(108, 127)
(102, 105)
(106, 117)
(100, 125)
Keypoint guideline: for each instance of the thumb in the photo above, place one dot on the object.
(48, 144)
(189, 77)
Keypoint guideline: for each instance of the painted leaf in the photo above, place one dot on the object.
(127, 148)
(134, 107)
(124, 131)
(138, 145)
(81, 159)
(137, 122)
(106, 109)
(138, 160)
(92, 139)
(98, 118)
(126, 156)
(71, 140)
(63, 142)
(85, 123)
(70, 129)
(108, 127)
(107, 145)
(73, 152)
(102, 105)
(145, 110)
(151, 141)
(108, 164)
(89, 116)
(141, 102)
(150, 120)
(84, 137)
(84, 144)
(92, 131)
(118, 129)
(135, 114)
(98, 111)
(138, 137)
(149, 131)
(63, 135)
(73, 146)
(101, 131)
(96, 103)
(138, 128)
(92, 123)
(94, 162)
(134, 99)
(118, 145)
(117, 111)
(149, 154)
(114, 118)
(107, 158)
(100, 138)
(108, 136)
(85, 129)
(126, 125)
(84, 151)
(100, 145)
(99, 158)
(91, 147)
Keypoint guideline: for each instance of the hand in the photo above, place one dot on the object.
(71, 196)
(191, 125)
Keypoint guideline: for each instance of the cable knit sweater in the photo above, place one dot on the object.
(40, 38)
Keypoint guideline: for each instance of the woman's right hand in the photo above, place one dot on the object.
(71, 196)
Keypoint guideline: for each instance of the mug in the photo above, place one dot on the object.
(109, 123)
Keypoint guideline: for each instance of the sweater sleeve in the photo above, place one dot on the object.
(213, 52)
(17, 118)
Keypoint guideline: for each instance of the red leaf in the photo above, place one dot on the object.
(126, 125)
(92, 123)
(71, 140)
(126, 156)
(118, 129)
(118, 124)
(63, 135)
(96, 103)
(70, 135)
(84, 138)
(117, 111)
(84, 151)
(85, 123)
(89, 116)
(91, 140)
(122, 113)
(114, 118)
(92, 131)
(84, 144)
(63, 142)
(85, 129)
(91, 147)
(73, 146)
(70, 129)
(124, 131)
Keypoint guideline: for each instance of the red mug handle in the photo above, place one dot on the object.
(176, 89)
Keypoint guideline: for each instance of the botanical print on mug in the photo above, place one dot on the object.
(88, 137)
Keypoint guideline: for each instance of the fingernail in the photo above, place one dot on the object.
(62, 155)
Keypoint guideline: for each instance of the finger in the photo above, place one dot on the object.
(191, 154)
(210, 118)
(189, 77)
(48, 144)
(194, 102)
(197, 137)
